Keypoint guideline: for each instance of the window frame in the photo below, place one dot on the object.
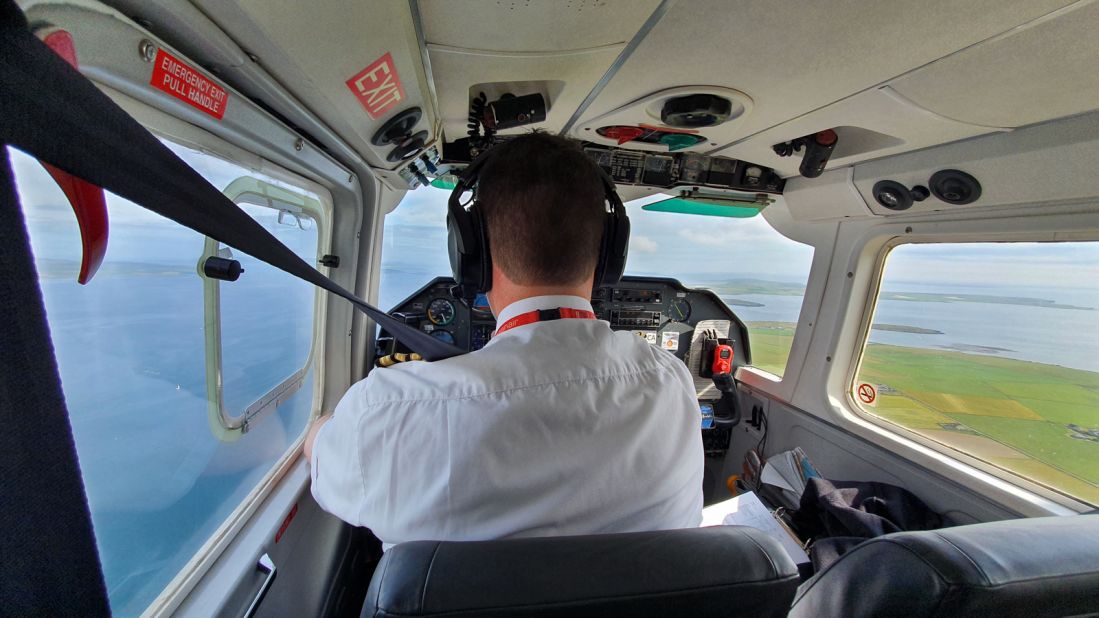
(851, 410)
(224, 425)
(817, 239)
(219, 545)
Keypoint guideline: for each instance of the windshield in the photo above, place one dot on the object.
(758, 272)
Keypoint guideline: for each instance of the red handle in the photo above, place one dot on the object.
(87, 200)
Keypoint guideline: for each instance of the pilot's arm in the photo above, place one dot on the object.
(311, 437)
(334, 452)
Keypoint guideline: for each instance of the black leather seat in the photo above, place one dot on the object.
(716, 571)
(1045, 566)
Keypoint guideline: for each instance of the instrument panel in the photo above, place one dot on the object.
(660, 310)
(684, 321)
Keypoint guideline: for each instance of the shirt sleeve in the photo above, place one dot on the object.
(336, 470)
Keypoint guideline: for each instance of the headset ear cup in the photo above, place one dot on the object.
(467, 238)
(604, 250)
(618, 245)
(466, 250)
(454, 246)
(616, 236)
(484, 256)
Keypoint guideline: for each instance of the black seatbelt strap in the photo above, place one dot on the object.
(48, 560)
(52, 112)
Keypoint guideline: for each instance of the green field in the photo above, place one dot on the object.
(1039, 421)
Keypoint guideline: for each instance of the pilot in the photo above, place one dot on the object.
(558, 426)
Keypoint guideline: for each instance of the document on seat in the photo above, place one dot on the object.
(747, 510)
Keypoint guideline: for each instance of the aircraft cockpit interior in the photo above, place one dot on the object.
(240, 242)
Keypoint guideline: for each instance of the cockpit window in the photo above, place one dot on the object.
(132, 351)
(757, 271)
(413, 245)
(992, 350)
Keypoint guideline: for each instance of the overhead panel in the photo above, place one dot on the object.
(560, 48)
(320, 51)
(794, 57)
(871, 124)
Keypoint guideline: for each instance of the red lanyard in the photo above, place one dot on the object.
(544, 315)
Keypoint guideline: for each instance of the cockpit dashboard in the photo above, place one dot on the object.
(660, 310)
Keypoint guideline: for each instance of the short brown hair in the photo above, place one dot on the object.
(543, 203)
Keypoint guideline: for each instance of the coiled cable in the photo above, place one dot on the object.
(475, 123)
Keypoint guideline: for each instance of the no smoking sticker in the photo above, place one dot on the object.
(867, 393)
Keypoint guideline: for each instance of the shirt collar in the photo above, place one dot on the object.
(535, 303)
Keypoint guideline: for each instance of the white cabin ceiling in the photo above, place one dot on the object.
(911, 75)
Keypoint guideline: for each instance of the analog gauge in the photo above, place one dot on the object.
(443, 335)
(680, 310)
(440, 312)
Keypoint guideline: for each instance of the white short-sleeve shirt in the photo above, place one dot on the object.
(553, 428)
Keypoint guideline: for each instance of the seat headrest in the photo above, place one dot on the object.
(696, 572)
(1045, 566)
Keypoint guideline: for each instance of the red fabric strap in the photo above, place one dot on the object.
(531, 317)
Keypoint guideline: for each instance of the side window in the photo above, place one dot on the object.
(250, 374)
(757, 271)
(131, 349)
(992, 350)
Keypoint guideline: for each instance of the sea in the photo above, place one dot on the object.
(1065, 337)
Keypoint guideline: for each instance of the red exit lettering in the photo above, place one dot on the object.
(378, 87)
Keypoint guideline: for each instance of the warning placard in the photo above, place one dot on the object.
(669, 341)
(378, 87)
(177, 78)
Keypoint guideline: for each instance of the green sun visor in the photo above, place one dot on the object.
(713, 205)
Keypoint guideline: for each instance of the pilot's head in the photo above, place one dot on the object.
(544, 206)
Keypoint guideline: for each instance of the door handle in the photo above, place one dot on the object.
(267, 566)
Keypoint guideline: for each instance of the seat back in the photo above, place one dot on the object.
(1045, 566)
(692, 572)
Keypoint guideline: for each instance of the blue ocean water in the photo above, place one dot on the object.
(1065, 337)
(131, 355)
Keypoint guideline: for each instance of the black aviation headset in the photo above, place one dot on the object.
(467, 239)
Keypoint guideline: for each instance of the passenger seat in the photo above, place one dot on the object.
(717, 571)
(1025, 567)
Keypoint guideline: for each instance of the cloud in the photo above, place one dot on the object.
(643, 244)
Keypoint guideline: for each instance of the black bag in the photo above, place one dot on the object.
(835, 516)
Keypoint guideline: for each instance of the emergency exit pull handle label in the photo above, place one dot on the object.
(184, 82)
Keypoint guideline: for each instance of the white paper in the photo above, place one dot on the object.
(772, 476)
(747, 510)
